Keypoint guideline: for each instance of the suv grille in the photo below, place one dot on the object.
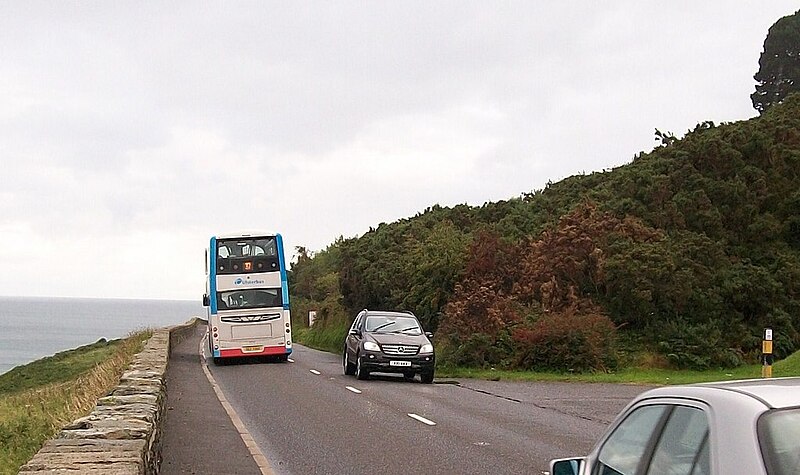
(400, 350)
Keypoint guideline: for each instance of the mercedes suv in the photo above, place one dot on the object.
(388, 342)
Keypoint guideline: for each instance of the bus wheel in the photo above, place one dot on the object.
(217, 361)
(283, 358)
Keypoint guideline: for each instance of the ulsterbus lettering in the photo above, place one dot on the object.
(248, 281)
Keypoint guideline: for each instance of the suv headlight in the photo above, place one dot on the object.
(371, 346)
(427, 348)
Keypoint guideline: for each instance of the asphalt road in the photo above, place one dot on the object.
(306, 417)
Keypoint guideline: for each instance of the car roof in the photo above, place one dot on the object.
(774, 393)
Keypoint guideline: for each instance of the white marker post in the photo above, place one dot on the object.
(312, 315)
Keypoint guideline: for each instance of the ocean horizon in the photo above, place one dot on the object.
(32, 328)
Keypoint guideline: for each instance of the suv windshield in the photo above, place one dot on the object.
(392, 324)
(779, 434)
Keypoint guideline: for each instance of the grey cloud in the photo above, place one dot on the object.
(121, 118)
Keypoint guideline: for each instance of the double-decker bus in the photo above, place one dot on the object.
(247, 296)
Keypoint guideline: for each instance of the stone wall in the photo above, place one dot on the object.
(121, 435)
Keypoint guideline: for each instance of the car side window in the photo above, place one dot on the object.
(624, 450)
(681, 447)
(356, 322)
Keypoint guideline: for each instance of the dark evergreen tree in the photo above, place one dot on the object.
(779, 66)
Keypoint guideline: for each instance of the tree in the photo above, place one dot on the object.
(779, 66)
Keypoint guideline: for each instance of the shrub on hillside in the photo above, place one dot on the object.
(696, 346)
(479, 350)
(567, 341)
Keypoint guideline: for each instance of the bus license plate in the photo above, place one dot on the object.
(399, 363)
(252, 349)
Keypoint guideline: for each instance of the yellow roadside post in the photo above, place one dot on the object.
(766, 350)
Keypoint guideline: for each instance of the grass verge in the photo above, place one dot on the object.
(633, 375)
(39, 398)
(330, 340)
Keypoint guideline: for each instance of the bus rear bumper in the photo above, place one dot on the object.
(246, 352)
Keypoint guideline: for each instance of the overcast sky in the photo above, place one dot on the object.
(130, 132)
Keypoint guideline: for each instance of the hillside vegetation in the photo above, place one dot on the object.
(681, 257)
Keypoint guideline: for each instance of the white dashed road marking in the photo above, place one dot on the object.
(351, 388)
(314, 371)
(422, 419)
(290, 360)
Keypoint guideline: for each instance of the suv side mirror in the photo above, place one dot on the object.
(429, 334)
(355, 331)
(206, 300)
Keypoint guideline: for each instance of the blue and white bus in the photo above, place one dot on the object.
(247, 296)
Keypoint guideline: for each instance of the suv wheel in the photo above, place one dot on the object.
(348, 367)
(426, 377)
(360, 372)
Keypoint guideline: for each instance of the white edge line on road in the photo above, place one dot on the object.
(314, 371)
(290, 360)
(351, 388)
(255, 452)
(422, 419)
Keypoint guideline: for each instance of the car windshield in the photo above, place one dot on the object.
(393, 324)
(779, 435)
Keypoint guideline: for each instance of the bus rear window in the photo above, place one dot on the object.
(249, 298)
(243, 256)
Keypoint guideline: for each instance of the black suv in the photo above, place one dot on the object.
(388, 342)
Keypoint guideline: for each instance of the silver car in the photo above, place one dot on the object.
(747, 427)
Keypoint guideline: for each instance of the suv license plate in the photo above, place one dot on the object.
(399, 363)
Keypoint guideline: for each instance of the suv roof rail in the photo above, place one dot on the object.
(407, 312)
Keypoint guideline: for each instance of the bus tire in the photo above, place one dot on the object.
(217, 360)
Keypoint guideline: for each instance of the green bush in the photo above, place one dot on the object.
(479, 350)
(567, 342)
(698, 346)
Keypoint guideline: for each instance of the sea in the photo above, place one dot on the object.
(34, 327)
